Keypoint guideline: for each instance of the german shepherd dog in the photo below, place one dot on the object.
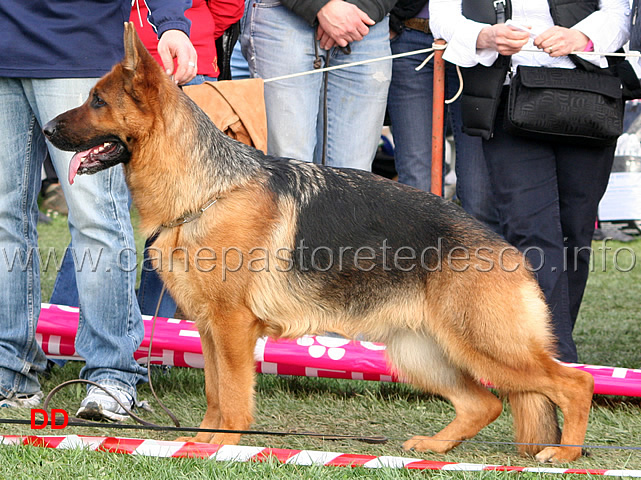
(280, 247)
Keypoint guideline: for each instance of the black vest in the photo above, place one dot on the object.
(482, 85)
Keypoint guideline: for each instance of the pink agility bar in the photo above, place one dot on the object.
(177, 343)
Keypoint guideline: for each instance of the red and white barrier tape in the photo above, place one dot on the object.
(176, 342)
(157, 448)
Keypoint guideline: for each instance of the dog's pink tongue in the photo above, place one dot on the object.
(74, 165)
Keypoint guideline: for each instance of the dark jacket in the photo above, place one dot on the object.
(308, 9)
(404, 10)
(65, 39)
(482, 85)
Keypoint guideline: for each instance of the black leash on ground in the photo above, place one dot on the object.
(364, 439)
(78, 422)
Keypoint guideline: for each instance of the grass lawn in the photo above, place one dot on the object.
(606, 334)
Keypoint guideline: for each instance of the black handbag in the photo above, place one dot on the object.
(566, 105)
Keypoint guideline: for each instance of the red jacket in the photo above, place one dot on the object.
(209, 20)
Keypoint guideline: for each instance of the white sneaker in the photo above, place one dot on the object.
(21, 400)
(98, 405)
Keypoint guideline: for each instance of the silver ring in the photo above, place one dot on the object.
(191, 64)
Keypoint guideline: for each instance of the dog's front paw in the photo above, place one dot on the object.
(225, 439)
(423, 444)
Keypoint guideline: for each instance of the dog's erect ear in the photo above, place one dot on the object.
(137, 60)
(132, 57)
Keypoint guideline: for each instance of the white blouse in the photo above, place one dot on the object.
(608, 28)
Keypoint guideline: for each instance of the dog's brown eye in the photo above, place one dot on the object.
(97, 102)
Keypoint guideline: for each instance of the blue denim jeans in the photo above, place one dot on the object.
(239, 67)
(277, 42)
(410, 109)
(110, 327)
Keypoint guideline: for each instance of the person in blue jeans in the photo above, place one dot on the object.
(49, 61)
(409, 106)
(290, 36)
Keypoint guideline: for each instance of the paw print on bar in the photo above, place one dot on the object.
(318, 346)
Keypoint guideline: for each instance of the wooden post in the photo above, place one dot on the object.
(438, 120)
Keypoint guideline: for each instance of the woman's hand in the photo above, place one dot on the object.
(560, 41)
(502, 38)
(175, 44)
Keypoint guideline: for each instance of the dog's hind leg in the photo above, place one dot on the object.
(422, 362)
(571, 389)
(475, 408)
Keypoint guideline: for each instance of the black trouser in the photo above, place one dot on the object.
(548, 195)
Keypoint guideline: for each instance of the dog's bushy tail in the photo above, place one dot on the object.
(535, 421)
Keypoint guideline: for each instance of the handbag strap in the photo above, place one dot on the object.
(499, 8)
(487, 11)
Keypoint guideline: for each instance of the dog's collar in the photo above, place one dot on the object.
(190, 216)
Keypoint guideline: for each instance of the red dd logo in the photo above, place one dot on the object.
(45, 418)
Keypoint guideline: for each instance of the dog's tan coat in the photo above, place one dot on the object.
(445, 330)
